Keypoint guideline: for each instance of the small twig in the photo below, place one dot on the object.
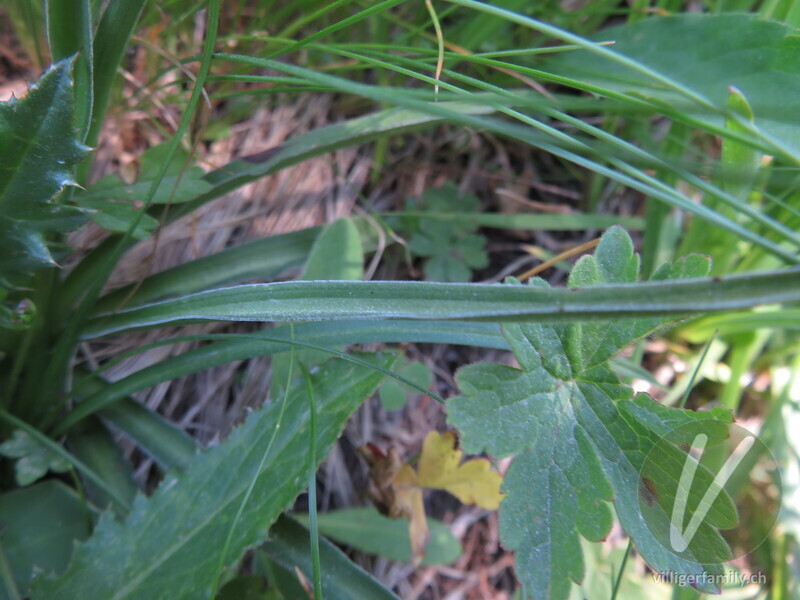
(564, 255)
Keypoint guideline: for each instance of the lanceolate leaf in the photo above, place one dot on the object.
(561, 413)
(323, 300)
(169, 545)
(38, 149)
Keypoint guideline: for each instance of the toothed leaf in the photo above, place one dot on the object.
(169, 546)
(38, 150)
(578, 438)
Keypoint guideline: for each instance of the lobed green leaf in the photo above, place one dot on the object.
(575, 448)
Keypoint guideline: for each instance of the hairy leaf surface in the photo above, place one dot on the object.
(578, 437)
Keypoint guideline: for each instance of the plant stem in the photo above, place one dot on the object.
(312, 487)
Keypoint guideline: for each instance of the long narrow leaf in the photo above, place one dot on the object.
(116, 26)
(265, 259)
(171, 447)
(536, 133)
(314, 300)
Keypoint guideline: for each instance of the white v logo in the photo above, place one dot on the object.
(678, 538)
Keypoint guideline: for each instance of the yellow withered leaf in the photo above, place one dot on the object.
(396, 489)
(396, 493)
(408, 496)
(472, 482)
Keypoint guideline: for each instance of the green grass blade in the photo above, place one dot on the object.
(313, 532)
(115, 28)
(529, 221)
(589, 46)
(786, 319)
(541, 135)
(339, 25)
(629, 159)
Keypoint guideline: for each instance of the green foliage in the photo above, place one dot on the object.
(169, 446)
(337, 253)
(578, 435)
(740, 162)
(367, 530)
(180, 184)
(708, 54)
(95, 447)
(563, 415)
(183, 525)
(451, 247)
(288, 546)
(33, 460)
(393, 394)
(38, 150)
(413, 300)
(264, 258)
(120, 217)
(16, 317)
(41, 524)
(246, 587)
